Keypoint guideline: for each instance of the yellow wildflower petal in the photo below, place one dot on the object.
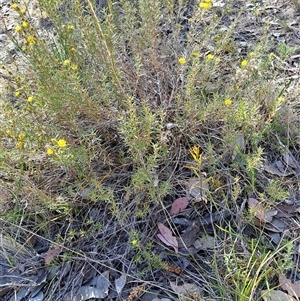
(20, 144)
(209, 57)
(228, 102)
(205, 5)
(50, 151)
(62, 143)
(17, 93)
(66, 63)
(15, 6)
(30, 99)
(25, 24)
(181, 61)
(18, 28)
(244, 63)
(31, 40)
(21, 136)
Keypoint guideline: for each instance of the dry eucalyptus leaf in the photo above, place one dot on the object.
(272, 295)
(185, 289)
(197, 188)
(179, 205)
(293, 289)
(240, 144)
(290, 160)
(120, 282)
(205, 243)
(52, 252)
(167, 237)
(89, 292)
(275, 171)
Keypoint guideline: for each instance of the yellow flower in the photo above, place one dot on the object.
(74, 67)
(244, 63)
(195, 54)
(22, 11)
(66, 63)
(209, 57)
(21, 136)
(205, 5)
(280, 99)
(134, 242)
(18, 28)
(8, 133)
(271, 55)
(72, 49)
(30, 99)
(228, 102)
(17, 93)
(50, 151)
(252, 54)
(181, 61)
(31, 40)
(15, 6)
(70, 27)
(217, 59)
(25, 24)
(20, 144)
(62, 143)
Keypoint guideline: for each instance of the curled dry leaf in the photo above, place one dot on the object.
(167, 237)
(179, 205)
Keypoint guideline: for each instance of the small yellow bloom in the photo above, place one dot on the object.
(25, 24)
(72, 49)
(15, 6)
(31, 40)
(30, 99)
(20, 144)
(271, 55)
(205, 5)
(210, 57)
(195, 54)
(17, 93)
(228, 102)
(181, 61)
(22, 12)
(70, 27)
(244, 63)
(8, 133)
(66, 63)
(62, 143)
(74, 67)
(217, 60)
(134, 242)
(50, 151)
(252, 54)
(18, 28)
(280, 99)
(21, 136)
